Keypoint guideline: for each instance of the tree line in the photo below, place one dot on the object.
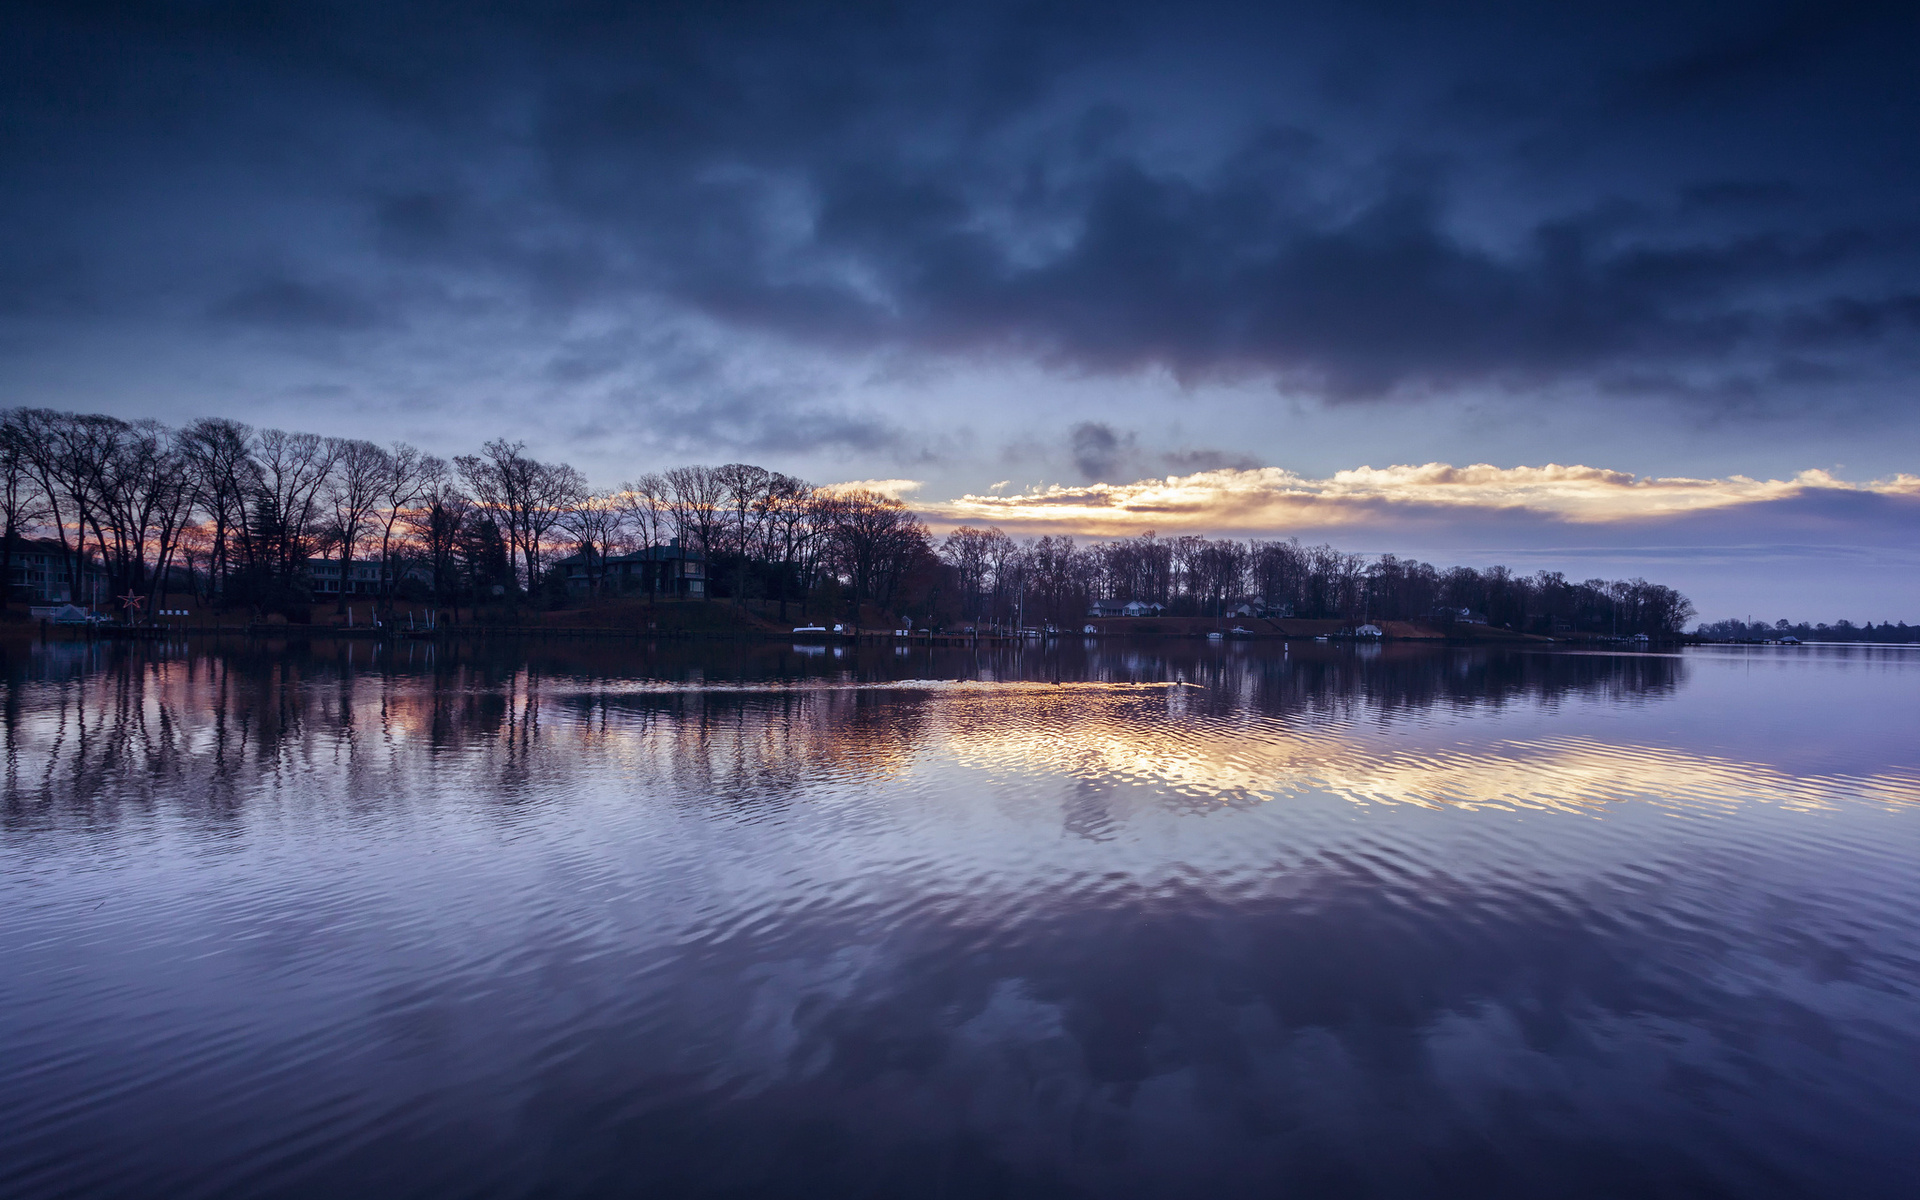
(240, 515)
(1840, 631)
(999, 579)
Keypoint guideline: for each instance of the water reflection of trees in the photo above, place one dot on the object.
(100, 732)
(1393, 680)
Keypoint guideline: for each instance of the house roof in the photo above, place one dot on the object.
(43, 545)
(649, 554)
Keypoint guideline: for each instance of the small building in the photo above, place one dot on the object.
(1369, 631)
(61, 614)
(671, 570)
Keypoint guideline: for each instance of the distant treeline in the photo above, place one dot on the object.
(241, 515)
(1000, 579)
(1839, 631)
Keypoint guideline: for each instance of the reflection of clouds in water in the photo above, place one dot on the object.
(1249, 757)
(1206, 733)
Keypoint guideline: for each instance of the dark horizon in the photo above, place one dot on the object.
(272, 523)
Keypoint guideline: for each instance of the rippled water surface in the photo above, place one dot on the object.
(1114, 920)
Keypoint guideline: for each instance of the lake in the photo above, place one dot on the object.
(1154, 919)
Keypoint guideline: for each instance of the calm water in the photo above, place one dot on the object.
(1150, 920)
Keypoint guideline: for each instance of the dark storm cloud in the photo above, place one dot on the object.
(1100, 452)
(1358, 201)
(1185, 462)
(295, 304)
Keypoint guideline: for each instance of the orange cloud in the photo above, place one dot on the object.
(1270, 497)
(896, 489)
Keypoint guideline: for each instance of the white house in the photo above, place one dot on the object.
(1369, 631)
(1140, 608)
(41, 569)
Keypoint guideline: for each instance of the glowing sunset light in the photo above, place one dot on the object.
(1271, 497)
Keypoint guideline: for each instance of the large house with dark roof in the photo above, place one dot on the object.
(41, 572)
(672, 569)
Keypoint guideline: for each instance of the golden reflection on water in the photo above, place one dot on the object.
(1198, 746)
(1111, 739)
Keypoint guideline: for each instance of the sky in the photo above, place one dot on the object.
(1613, 289)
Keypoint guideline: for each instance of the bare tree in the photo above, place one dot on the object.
(144, 496)
(595, 522)
(647, 507)
(495, 479)
(526, 497)
(195, 547)
(355, 489)
(68, 455)
(787, 521)
(220, 465)
(554, 490)
(438, 520)
(22, 503)
(967, 551)
(744, 487)
(294, 469)
(408, 474)
(876, 539)
(698, 494)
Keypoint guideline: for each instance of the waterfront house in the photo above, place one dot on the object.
(1260, 608)
(324, 577)
(41, 571)
(671, 569)
(366, 577)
